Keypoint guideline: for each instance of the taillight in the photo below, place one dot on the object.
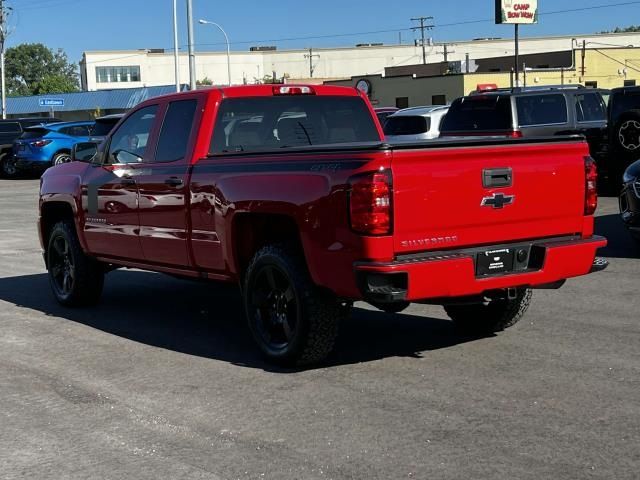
(590, 186)
(288, 90)
(40, 143)
(370, 203)
(516, 134)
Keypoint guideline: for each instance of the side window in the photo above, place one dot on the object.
(176, 130)
(590, 108)
(129, 142)
(76, 131)
(541, 110)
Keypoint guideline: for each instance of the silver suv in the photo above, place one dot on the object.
(416, 123)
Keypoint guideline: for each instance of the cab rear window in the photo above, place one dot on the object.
(266, 123)
(479, 113)
(407, 125)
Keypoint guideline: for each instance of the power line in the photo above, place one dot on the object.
(403, 29)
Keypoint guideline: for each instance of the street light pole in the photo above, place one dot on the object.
(176, 58)
(192, 54)
(226, 38)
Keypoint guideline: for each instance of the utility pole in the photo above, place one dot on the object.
(422, 28)
(192, 54)
(3, 37)
(446, 52)
(310, 56)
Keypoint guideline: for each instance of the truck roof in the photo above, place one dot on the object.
(264, 91)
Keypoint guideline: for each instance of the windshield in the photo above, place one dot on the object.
(479, 113)
(262, 123)
(406, 125)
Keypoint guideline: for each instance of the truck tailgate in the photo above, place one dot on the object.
(446, 196)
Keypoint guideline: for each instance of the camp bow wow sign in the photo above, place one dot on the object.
(516, 11)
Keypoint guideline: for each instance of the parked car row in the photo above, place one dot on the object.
(31, 145)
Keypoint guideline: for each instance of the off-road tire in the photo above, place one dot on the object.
(88, 274)
(491, 317)
(318, 313)
(395, 307)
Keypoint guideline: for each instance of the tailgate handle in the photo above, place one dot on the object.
(497, 177)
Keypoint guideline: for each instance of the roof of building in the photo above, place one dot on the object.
(123, 98)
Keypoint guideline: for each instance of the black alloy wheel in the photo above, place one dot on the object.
(76, 279)
(274, 308)
(294, 322)
(61, 267)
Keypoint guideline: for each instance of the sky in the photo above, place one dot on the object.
(81, 25)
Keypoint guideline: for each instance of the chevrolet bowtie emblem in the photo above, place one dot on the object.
(497, 200)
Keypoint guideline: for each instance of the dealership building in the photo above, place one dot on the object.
(107, 70)
(438, 84)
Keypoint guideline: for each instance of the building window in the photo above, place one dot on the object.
(117, 74)
(402, 102)
(591, 84)
(629, 83)
(439, 100)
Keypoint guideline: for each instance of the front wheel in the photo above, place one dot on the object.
(491, 316)
(293, 322)
(75, 278)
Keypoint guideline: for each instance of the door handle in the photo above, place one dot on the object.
(173, 182)
(497, 177)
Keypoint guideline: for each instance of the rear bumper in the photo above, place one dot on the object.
(452, 274)
(31, 165)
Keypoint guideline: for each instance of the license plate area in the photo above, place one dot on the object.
(495, 261)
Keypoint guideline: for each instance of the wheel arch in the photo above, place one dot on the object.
(51, 213)
(251, 231)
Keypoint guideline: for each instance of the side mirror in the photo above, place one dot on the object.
(84, 152)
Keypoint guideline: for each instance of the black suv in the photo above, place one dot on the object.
(11, 130)
(531, 112)
(622, 139)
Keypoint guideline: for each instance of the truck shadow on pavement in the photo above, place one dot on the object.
(206, 320)
(620, 245)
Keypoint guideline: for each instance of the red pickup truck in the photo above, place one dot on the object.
(292, 193)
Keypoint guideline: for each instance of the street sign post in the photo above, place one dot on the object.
(517, 12)
(51, 102)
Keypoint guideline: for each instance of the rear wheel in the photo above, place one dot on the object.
(491, 316)
(292, 321)
(60, 158)
(75, 278)
(8, 166)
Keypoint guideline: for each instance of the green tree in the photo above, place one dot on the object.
(204, 81)
(33, 68)
(631, 29)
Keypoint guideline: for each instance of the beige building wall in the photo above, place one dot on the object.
(608, 68)
(391, 91)
(158, 68)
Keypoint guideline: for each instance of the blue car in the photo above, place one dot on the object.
(44, 146)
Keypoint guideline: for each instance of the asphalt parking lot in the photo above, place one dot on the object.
(162, 381)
